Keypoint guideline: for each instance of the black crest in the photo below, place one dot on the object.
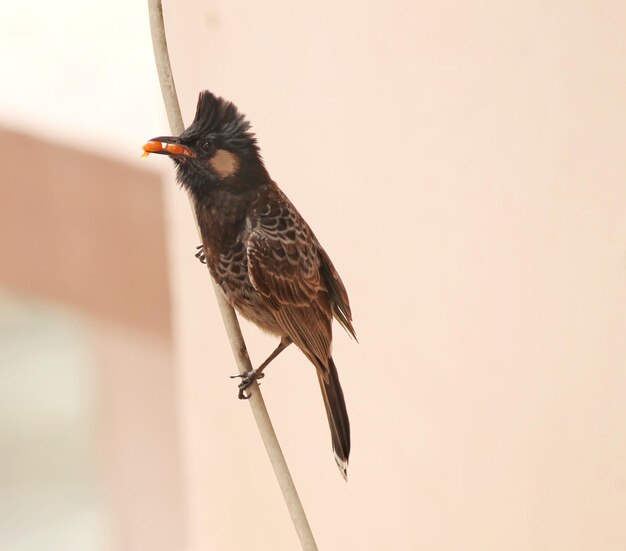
(219, 117)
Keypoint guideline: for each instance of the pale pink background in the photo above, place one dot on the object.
(464, 165)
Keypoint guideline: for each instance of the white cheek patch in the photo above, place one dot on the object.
(224, 163)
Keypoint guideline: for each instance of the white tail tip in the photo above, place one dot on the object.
(343, 466)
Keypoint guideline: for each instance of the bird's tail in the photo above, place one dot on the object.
(337, 417)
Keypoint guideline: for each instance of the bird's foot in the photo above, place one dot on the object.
(200, 254)
(247, 379)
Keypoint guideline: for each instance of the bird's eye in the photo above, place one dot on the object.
(207, 146)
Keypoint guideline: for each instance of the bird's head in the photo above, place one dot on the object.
(218, 148)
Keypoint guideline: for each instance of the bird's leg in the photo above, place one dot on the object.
(200, 254)
(250, 376)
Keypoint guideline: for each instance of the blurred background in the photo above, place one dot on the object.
(464, 166)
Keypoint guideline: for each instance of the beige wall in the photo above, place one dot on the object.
(84, 229)
(463, 164)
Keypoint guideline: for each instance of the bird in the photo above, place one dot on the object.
(259, 249)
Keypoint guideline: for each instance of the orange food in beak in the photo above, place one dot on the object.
(151, 147)
(177, 149)
(156, 146)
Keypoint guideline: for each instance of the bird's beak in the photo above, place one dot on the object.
(167, 145)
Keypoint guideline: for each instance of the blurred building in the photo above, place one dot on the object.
(88, 418)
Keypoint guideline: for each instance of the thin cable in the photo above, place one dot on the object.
(261, 416)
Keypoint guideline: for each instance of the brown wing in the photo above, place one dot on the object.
(284, 266)
(338, 294)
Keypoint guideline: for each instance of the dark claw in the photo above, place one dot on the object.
(200, 254)
(246, 382)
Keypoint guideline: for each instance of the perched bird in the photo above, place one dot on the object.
(261, 252)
